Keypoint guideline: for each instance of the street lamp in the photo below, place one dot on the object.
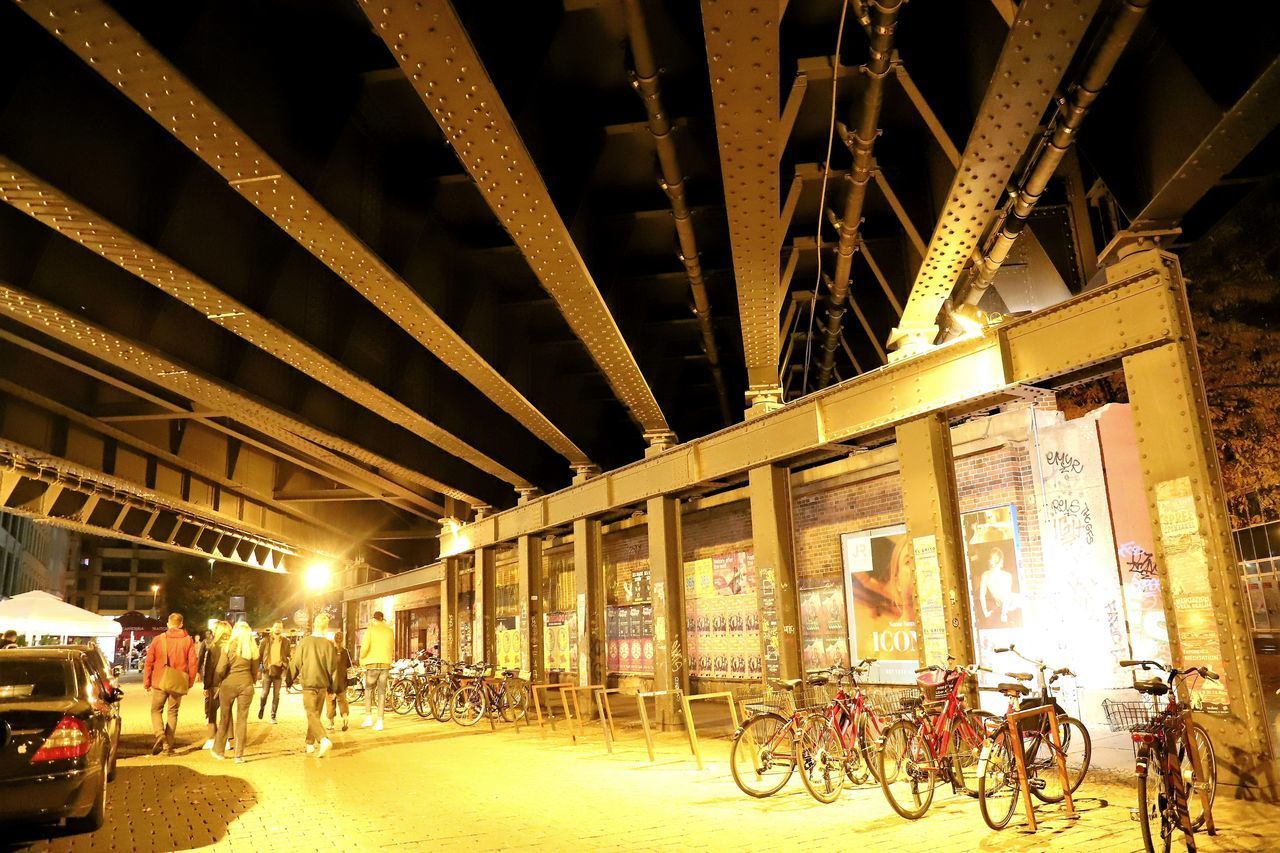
(155, 589)
(317, 578)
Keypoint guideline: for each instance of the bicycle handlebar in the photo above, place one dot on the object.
(1173, 671)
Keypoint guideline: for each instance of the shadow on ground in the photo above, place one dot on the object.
(151, 809)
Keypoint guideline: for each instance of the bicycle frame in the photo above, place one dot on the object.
(1174, 723)
(939, 725)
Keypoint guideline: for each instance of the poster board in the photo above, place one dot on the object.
(997, 591)
(880, 597)
(723, 617)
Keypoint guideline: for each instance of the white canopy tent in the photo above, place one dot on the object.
(36, 614)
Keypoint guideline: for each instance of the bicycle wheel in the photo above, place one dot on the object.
(907, 772)
(355, 691)
(1208, 764)
(762, 757)
(442, 701)
(1152, 799)
(515, 704)
(469, 704)
(965, 745)
(402, 695)
(821, 759)
(1077, 751)
(998, 788)
(857, 764)
(422, 701)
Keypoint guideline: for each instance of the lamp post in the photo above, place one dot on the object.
(155, 589)
(317, 579)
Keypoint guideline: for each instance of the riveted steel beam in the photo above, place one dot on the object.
(332, 467)
(432, 47)
(1041, 43)
(743, 59)
(49, 206)
(1246, 123)
(1088, 333)
(181, 379)
(116, 51)
(62, 493)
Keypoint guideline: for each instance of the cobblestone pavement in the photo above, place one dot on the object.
(422, 783)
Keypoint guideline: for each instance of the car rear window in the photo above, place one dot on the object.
(27, 680)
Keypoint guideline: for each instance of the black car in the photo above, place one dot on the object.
(104, 680)
(55, 738)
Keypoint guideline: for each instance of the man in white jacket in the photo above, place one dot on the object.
(376, 652)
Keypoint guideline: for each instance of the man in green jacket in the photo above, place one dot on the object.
(314, 665)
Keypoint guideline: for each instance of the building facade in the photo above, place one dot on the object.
(34, 556)
(112, 578)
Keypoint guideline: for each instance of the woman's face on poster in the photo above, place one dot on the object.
(995, 559)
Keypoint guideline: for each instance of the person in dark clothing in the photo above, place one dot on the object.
(313, 665)
(237, 673)
(337, 706)
(10, 640)
(273, 658)
(210, 657)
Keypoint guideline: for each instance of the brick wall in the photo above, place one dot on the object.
(709, 532)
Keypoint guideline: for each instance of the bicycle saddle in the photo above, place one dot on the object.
(1011, 689)
(1151, 687)
(818, 680)
(789, 684)
(912, 702)
(511, 673)
(1020, 676)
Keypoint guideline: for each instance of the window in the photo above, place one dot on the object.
(114, 584)
(151, 567)
(113, 602)
(117, 565)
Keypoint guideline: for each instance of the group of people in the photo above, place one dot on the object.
(230, 664)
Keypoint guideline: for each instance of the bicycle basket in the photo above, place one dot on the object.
(936, 686)
(890, 701)
(770, 701)
(1127, 716)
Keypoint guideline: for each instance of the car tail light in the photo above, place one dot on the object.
(69, 739)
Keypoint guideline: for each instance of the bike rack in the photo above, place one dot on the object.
(692, 728)
(644, 715)
(606, 714)
(1015, 732)
(577, 707)
(537, 706)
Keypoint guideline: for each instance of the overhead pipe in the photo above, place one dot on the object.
(1058, 138)
(861, 140)
(645, 81)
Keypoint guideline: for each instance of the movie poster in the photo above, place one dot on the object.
(822, 624)
(880, 594)
(991, 555)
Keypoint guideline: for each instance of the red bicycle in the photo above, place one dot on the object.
(843, 740)
(940, 739)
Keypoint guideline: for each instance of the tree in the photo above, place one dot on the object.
(201, 593)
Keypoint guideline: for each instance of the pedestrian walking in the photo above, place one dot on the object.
(168, 674)
(237, 674)
(273, 658)
(209, 659)
(376, 652)
(313, 665)
(10, 640)
(336, 705)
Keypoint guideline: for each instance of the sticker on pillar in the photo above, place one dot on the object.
(932, 614)
(769, 623)
(1187, 562)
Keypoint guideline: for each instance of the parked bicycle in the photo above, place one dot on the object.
(843, 740)
(506, 698)
(999, 780)
(1176, 766)
(939, 740)
(765, 748)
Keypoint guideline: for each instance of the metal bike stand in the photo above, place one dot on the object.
(537, 705)
(644, 715)
(1015, 732)
(691, 727)
(577, 707)
(606, 714)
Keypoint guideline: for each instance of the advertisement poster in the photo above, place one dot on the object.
(560, 641)
(722, 616)
(507, 639)
(929, 587)
(629, 647)
(991, 556)
(880, 594)
(822, 624)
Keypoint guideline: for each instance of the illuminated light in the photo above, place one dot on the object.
(971, 319)
(318, 575)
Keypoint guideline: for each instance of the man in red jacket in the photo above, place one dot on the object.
(171, 670)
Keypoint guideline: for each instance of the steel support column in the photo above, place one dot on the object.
(529, 592)
(769, 491)
(667, 582)
(932, 512)
(1199, 574)
(449, 608)
(484, 645)
(589, 583)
